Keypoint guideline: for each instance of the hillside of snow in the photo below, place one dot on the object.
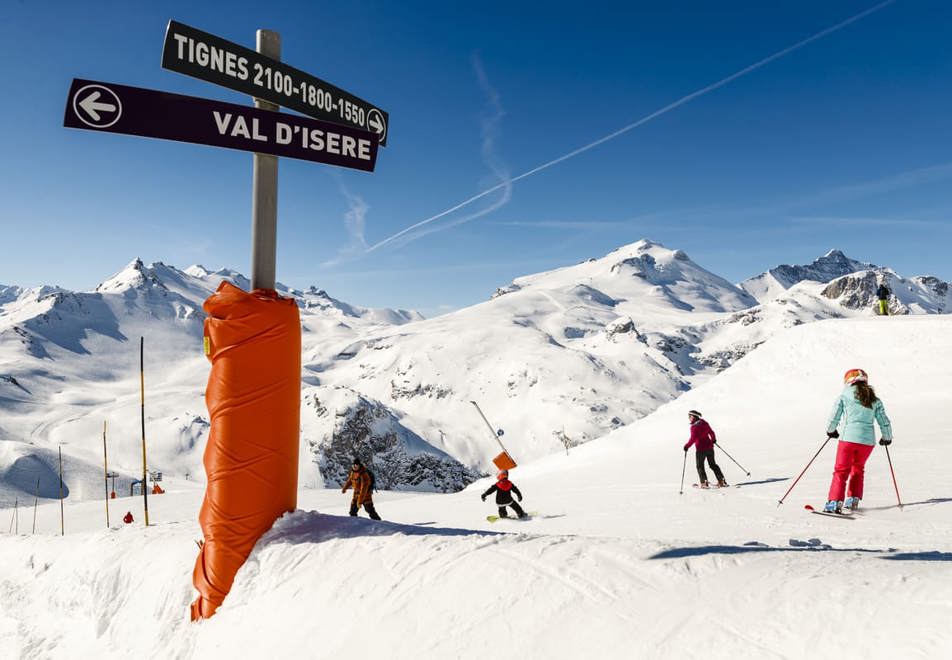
(555, 358)
(616, 563)
(70, 361)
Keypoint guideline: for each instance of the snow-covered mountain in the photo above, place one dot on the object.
(69, 361)
(616, 550)
(555, 358)
(775, 281)
(570, 351)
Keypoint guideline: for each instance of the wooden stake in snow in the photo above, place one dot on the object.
(36, 497)
(145, 491)
(105, 468)
(62, 514)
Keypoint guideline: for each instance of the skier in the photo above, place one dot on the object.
(703, 438)
(362, 481)
(858, 405)
(504, 490)
(883, 294)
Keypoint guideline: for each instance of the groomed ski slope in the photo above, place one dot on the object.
(619, 565)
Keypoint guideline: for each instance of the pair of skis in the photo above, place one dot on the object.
(846, 514)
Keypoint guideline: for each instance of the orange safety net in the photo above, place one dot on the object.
(253, 341)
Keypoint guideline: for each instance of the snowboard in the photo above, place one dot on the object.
(848, 515)
(529, 516)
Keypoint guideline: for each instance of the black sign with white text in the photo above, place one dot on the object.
(112, 108)
(215, 60)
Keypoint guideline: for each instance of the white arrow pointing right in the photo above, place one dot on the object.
(375, 124)
(92, 108)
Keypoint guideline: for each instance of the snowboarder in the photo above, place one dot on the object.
(362, 481)
(858, 405)
(703, 438)
(504, 490)
(882, 293)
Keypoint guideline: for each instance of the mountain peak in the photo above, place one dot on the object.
(825, 269)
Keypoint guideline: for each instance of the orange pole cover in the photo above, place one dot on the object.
(253, 341)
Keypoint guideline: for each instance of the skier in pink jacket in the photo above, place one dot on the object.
(703, 438)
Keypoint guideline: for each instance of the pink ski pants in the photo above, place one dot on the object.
(850, 463)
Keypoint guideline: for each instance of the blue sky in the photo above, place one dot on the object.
(842, 143)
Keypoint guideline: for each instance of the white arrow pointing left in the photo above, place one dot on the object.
(92, 108)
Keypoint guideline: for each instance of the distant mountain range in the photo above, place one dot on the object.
(569, 353)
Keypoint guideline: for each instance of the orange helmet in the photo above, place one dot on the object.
(855, 376)
(503, 474)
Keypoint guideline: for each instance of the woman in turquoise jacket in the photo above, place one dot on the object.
(857, 406)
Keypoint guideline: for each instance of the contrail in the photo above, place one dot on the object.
(644, 120)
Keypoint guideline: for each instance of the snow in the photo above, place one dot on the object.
(618, 564)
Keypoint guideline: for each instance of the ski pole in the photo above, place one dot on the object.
(683, 469)
(895, 485)
(732, 458)
(780, 501)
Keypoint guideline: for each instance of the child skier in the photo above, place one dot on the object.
(858, 405)
(362, 481)
(504, 490)
(703, 438)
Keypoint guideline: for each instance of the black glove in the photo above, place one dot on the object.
(884, 442)
(482, 497)
(833, 434)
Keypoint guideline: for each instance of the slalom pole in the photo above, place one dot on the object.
(62, 514)
(489, 426)
(36, 496)
(683, 470)
(780, 501)
(732, 458)
(105, 469)
(16, 515)
(12, 518)
(895, 485)
(145, 483)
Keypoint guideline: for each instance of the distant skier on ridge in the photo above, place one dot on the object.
(882, 293)
(703, 438)
(858, 406)
(363, 483)
(504, 490)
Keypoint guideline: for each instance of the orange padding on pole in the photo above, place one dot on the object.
(253, 341)
(504, 461)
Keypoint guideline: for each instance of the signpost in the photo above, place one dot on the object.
(112, 108)
(215, 60)
(340, 129)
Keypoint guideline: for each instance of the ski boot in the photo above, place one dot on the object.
(721, 483)
(851, 503)
(704, 484)
(833, 506)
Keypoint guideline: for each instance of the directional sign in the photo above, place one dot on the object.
(97, 106)
(115, 108)
(212, 59)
